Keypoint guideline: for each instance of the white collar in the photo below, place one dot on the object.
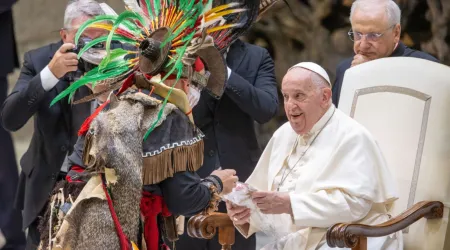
(305, 139)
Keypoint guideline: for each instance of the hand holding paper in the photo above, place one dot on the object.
(272, 202)
(239, 214)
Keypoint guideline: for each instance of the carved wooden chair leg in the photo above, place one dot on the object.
(204, 226)
(226, 237)
(362, 244)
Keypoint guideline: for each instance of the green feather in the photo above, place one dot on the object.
(157, 7)
(160, 112)
(115, 71)
(98, 77)
(191, 3)
(96, 19)
(91, 76)
(114, 64)
(180, 29)
(149, 9)
(178, 66)
(135, 30)
(103, 39)
(114, 54)
(123, 16)
(74, 86)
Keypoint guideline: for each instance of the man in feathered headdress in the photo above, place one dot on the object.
(144, 136)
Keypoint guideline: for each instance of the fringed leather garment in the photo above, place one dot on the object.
(114, 145)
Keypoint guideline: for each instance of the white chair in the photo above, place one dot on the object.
(405, 103)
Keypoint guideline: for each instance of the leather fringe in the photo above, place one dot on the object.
(162, 166)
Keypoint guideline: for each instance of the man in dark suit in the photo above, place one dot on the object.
(376, 34)
(230, 138)
(42, 77)
(10, 218)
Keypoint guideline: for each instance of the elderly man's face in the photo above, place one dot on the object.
(68, 35)
(304, 101)
(374, 23)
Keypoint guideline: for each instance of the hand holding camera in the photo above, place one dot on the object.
(63, 61)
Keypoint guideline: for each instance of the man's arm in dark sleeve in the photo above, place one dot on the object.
(336, 90)
(184, 195)
(260, 101)
(25, 98)
(76, 158)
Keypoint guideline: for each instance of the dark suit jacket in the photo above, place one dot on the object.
(6, 5)
(8, 49)
(228, 123)
(401, 50)
(51, 138)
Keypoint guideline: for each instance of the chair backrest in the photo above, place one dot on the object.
(405, 103)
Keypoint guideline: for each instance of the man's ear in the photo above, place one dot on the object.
(63, 35)
(397, 31)
(326, 96)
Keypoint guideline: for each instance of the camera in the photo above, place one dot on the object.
(83, 66)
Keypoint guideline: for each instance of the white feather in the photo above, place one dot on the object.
(107, 9)
(110, 11)
(213, 21)
(133, 5)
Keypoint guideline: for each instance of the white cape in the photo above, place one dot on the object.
(344, 161)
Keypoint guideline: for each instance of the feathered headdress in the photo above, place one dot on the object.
(166, 38)
(163, 36)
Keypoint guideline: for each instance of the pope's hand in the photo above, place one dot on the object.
(272, 202)
(239, 215)
(359, 59)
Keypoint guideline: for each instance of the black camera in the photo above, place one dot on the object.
(83, 65)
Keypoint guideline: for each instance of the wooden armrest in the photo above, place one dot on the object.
(203, 226)
(348, 235)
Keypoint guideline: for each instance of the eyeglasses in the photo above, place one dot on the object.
(371, 37)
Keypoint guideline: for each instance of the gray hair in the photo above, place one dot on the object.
(392, 10)
(79, 8)
(319, 83)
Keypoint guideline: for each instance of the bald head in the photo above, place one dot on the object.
(307, 96)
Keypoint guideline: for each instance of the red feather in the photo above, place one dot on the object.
(126, 84)
(124, 33)
(144, 7)
(87, 123)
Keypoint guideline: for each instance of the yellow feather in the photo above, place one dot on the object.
(176, 19)
(101, 26)
(146, 31)
(134, 246)
(227, 26)
(222, 7)
(224, 13)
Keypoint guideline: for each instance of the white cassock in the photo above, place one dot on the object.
(341, 177)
